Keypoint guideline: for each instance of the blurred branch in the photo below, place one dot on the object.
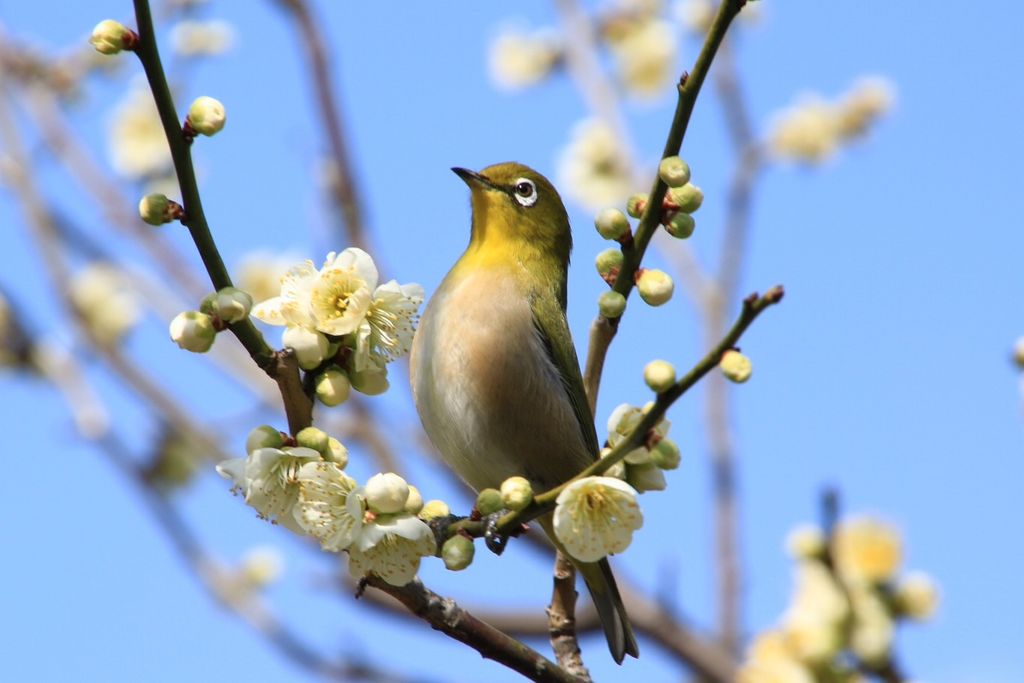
(444, 615)
(562, 619)
(343, 185)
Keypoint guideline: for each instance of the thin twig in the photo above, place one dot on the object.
(562, 618)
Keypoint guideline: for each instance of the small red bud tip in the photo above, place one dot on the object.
(188, 132)
(652, 440)
(682, 79)
(131, 40)
(626, 241)
(611, 276)
(751, 299)
(637, 274)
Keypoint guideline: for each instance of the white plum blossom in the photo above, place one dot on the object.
(623, 421)
(201, 38)
(390, 546)
(268, 479)
(136, 141)
(390, 323)
(593, 168)
(518, 59)
(595, 517)
(324, 508)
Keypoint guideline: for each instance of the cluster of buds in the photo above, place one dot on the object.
(643, 467)
(196, 330)
(845, 605)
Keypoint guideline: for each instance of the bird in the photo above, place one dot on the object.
(494, 372)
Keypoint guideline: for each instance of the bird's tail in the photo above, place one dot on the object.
(610, 610)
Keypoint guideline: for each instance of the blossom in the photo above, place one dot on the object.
(390, 546)
(191, 38)
(812, 625)
(592, 167)
(917, 596)
(863, 104)
(268, 479)
(390, 323)
(261, 566)
(386, 493)
(595, 517)
(102, 295)
(621, 424)
(806, 132)
(770, 661)
(323, 509)
(867, 550)
(260, 274)
(873, 627)
(646, 54)
(135, 137)
(518, 59)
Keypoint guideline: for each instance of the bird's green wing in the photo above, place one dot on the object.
(553, 330)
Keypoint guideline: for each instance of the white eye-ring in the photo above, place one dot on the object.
(525, 192)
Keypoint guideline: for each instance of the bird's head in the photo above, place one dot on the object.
(517, 212)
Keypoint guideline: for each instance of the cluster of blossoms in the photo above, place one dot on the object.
(302, 485)
(342, 324)
(812, 130)
(841, 619)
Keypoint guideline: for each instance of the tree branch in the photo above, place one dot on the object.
(562, 618)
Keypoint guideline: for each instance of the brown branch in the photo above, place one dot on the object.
(562, 619)
(444, 615)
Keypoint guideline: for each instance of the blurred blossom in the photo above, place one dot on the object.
(812, 626)
(917, 596)
(102, 295)
(696, 15)
(867, 550)
(191, 38)
(873, 626)
(866, 101)
(519, 59)
(261, 566)
(260, 273)
(646, 54)
(592, 169)
(770, 661)
(135, 137)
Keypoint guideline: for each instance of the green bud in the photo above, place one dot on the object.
(645, 477)
(193, 331)
(433, 509)
(414, 503)
(611, 304)
(655, 287)
(336, 453)
(231, 305)
(457, 552)
(636, 205)
(310, 346)
(314, 438)
(206, 116)
(372, 381)
(660, 375)
(674, 171)
(608, 260)
(666, 454)
(263, 436)
(110, 37)
(735, 366)
(680, 225)
(333, 386)
(489, 501)
(156, 209)
(516, 493)
(611, 224)
(688, 198)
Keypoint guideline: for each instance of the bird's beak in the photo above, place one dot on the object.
(474, 179)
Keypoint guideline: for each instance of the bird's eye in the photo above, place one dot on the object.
(525, 192)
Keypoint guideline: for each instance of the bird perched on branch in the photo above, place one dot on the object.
(494, 371)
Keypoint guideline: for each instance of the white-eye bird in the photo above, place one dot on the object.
(494, 372)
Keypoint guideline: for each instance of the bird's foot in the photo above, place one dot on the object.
(495, 541)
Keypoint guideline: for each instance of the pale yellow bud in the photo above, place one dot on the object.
(489, 501)
(516, 493)
(655, 286)
(336, 453)
(611, 224)
(155, 209)
(386, 493)
(414, 503)
(917, 596)
(314, 438)
(608, 260)
(231, 305)
(372, 381)
(666, 455)
(735, 366)
(457, 552)
(433, 509)
(611, 305)
(333, 386)
(110, 37)
(263, 436)
(193, 331)
(659, 375)
(206, 116)
(674, 171)
(636, 205)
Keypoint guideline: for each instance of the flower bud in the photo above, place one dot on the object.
(680, 225)
(206, 116)
(310, 346)
(156, 209)
(372, 381)
(457, 552)
(735, 366)
(110, 37)
(674, 171)
(333, 386)
(612, 224)
(193, 331)
(231, 305)
(433, 509)
(618, 470)
(263, 436)
(646, 477)
(314, 438)
(414, 503)
(688, 197)
(607, 261)
(386, 493)
(489, 501)
(806, 542)
(660, 375)
(655, 286)
(636, 205)
(336, 453)
(516, 493)
(666, 454)
(611, 304)
(917, 596)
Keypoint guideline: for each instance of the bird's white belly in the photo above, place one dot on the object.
(490, 399)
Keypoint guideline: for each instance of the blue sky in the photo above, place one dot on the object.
(885, 372)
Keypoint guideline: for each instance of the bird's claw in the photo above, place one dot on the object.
(494, 541)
